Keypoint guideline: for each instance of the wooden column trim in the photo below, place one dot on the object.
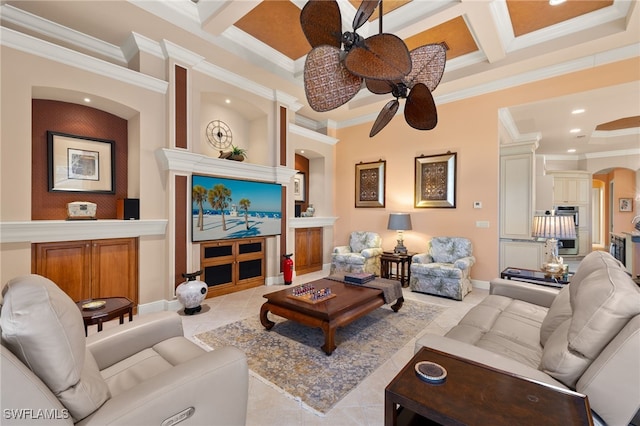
(180, 236)
(180, 107)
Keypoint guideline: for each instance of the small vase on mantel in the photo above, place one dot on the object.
(310, 210)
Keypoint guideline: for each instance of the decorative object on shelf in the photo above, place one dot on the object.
(191, 293)
(79, 210)
(626, 204)
(236, 154)
(435, 184)
(80, 163)
(399, 222)
(553, 228)
(299, 192)
(219, 135)
(370, 183)
(309, 212)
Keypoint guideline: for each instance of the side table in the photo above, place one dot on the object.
(473, 393)
(402, 264)
(113, 307)
(534, 277)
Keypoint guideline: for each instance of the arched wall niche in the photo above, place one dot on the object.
(87, 115)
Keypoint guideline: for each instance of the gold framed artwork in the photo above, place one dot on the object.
(370, 184)
(435, 184)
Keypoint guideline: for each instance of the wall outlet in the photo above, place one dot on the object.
(477, 204)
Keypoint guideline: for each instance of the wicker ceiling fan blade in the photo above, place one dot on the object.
(385, 116)
(327, 83)
(364, 12)
(428, 65)
(420, 109)
(380, 57)
(321, 23)
(379, 87)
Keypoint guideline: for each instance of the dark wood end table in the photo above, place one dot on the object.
(535, 277)
(114, 307)
(403, 266)
(475, 394)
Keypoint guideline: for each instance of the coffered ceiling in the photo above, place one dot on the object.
(492, 44)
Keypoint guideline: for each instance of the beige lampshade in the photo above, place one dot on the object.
(558, 227)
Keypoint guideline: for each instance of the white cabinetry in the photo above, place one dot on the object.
(521, 254)
(573, 188)
(517, 191)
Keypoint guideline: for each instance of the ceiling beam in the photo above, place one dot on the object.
(216, 17)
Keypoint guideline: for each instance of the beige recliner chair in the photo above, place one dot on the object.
(140, 373)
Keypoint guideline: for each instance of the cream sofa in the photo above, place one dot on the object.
(585, 337)
(140, 373)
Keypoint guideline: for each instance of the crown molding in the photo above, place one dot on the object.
(28, 21)
(44, 49)
(311, 134)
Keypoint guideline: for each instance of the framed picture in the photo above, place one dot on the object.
(370, 182)
(435, 180)
(81, 164)
(626, 204)
(299, 193)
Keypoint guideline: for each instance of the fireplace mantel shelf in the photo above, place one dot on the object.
(42, 231)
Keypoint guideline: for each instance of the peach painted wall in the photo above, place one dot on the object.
(468, 127)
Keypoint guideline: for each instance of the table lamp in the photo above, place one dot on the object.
(553, 228)
(399, 222)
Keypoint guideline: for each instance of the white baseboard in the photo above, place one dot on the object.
(159, 306)
(484, 285)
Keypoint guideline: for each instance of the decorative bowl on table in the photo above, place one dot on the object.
(93, 305)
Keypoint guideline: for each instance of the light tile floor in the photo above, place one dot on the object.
(362, 406)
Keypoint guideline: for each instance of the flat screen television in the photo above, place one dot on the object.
(224, 208)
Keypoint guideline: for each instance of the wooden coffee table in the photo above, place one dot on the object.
(473, 393)
(351, 302)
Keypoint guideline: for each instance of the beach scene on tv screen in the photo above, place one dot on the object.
(230, 208)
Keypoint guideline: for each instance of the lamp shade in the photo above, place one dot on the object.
(399, 222)
(558, 227)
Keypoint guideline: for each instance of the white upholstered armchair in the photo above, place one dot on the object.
(361, 255)
(140, 373)
(444, 269)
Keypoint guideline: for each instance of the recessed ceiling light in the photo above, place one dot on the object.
(228, 101)
(87, 100)
(556, 2)
(578, 111)
(574, 130)
(571, 150)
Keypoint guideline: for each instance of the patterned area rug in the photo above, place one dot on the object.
(289, 356)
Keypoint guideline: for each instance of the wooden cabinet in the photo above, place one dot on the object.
(232, 265)
(90, 268)
(308, 254)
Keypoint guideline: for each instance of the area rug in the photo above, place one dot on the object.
(289, 357)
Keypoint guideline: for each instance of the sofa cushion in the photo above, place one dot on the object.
(559, 312)
(603, 302)
(504, 326)
(43, 327)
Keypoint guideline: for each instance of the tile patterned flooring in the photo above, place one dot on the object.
(362, 406)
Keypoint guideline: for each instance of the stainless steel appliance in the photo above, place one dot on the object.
(569, 247)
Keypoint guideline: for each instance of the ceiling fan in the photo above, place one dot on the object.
(333, 76)
(428, 63)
